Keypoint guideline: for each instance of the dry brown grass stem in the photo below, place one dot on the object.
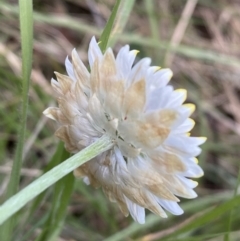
(30, 141)
(6, 169)
(166, 232)
(181, 27)
(15, 63)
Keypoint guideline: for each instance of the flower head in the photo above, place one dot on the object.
(154, 155)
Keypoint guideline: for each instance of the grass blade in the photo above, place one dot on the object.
(226, 238)
(26, 28)
(62, 193)
(122, 17)
(59, 156)
(154, 26)
(16, 202)
(55, 160)
(108, 28)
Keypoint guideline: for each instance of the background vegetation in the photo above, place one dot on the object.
(199, 40)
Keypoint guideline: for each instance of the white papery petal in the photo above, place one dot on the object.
(123, 178)
(137, 212)
(124, 62)
(170, 206)
(184, 114)
(193, 170)
(86, 180)
(182, 145)
(139, 71)
(160, 78)
(176, 99)
(189, 183)
(69, 69)
(94, 52)
(185, 127)
(156, 98)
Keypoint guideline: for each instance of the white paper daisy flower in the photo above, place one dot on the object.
(153, 156)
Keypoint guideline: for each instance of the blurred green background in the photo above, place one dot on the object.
(198, 40)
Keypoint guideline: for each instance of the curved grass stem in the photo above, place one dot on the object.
(15, 203)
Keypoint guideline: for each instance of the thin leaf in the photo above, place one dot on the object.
(122, 17)
(108, 28)
(32, 229)
(55, 160)
(226, 238)
(62, 193)
(26, 28)
(59, 156)
(154, 26)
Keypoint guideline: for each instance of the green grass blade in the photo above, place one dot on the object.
(226, 238)
(26, 28)
(16, 202)
(68, 187)
(62, 193)
(122, 17)
(108, 28)
(55, 160)
(36, 225)
(152, 19)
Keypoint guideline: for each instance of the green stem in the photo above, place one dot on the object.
(154, 26)
(121, 20)
(26, 27)
(16, 202)
(108, 28)
(227, 236)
